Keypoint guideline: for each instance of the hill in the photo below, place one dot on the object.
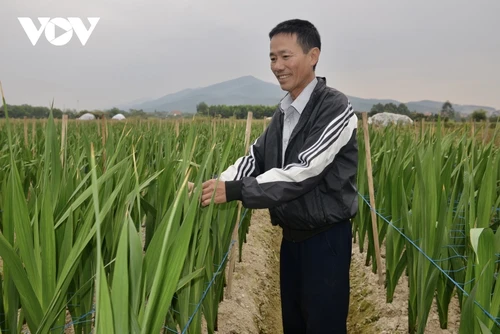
(435, 107)
(243, 90)
(253, 91)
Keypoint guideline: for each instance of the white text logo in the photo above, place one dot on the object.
(66, 27)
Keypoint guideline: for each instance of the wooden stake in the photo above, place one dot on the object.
(372, 198)
(235, 248)
(214, 128)
(104, 137)
(485, 132)
(33, 136)
(25, 131)
(64, 129)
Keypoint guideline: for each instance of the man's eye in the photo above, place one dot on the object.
(286, 56)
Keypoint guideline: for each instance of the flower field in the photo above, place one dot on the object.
(98, 226)
(99, 231)
(437, 196)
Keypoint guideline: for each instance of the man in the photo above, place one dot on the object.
(303, 168)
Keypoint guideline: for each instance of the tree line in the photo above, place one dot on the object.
(240, 112)
(236, 111)
(29, 111)
(260, 111)
(446, 113)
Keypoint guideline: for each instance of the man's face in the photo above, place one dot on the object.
(292, 67)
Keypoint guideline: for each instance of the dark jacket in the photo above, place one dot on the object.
(316, 187)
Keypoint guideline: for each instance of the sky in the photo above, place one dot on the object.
(387, 49)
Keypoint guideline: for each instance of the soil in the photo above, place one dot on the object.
(369, 312)
(255, 304)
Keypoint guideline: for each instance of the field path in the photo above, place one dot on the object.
(255, 305)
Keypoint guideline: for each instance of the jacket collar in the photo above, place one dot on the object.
(301, 101)
(320, 86)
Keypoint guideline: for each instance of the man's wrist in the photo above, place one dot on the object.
(233, 190)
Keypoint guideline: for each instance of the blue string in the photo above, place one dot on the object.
(455, 271)
(495, 319)
(77, 321)
(198, 305)
(212, 281)
(69, 324)
(171, 330)
(241, 220)
(208, 288)
(449, 258)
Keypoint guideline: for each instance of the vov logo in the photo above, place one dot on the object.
(68, 26)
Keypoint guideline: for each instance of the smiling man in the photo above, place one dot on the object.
(303, 169)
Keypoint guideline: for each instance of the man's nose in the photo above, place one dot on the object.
(277, 66)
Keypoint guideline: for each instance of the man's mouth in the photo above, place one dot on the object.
(283, 76)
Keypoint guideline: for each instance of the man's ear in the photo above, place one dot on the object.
(314, 56)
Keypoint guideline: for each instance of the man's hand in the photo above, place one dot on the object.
(209, 187)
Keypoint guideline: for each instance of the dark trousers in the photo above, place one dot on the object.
(314, 280)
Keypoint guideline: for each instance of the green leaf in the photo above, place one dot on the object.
(188, 278)
(120, 284)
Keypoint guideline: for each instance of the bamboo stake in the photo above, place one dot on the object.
(422, 132)
(372, 198)
(104, 137)
(214, 128)
(485, 132)
(33, 136)
(64, 128)
(25, 131)
(235, 248)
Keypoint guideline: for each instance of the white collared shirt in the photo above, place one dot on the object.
(292, 110)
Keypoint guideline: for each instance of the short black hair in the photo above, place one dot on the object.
(307, 35)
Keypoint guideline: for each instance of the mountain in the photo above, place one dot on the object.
(435, 107)
(243, 90)
(253, 91)
(360, 104)
(130, 104)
